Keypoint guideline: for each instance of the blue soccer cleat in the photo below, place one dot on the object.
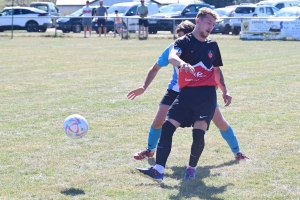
(151, 173)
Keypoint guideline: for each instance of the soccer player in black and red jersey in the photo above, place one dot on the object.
(198, 59)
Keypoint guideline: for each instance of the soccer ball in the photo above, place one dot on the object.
(75, 126)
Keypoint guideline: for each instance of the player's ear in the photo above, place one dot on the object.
(197, 20)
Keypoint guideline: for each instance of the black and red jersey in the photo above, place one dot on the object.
(203, 56)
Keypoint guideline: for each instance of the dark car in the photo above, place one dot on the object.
(223, 24)
(72, 22)
(178, 10)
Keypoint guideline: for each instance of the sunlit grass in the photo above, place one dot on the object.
(43, 80)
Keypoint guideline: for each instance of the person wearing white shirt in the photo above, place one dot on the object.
(87, 18)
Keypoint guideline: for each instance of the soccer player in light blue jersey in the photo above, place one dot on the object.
(171, 94)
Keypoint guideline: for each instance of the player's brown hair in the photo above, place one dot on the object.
(207, 11)
(185, 26)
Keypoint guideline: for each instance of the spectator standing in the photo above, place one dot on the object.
(142, 11)
(118, 22)
(87, 20)
(101, 10)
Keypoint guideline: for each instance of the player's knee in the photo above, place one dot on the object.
(157, 124)
(198, 141)
(168, 130)
(221, 124)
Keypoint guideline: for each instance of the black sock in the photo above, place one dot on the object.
(197, 146)
(165, 143)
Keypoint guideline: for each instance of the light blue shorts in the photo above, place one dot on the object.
(87, 21)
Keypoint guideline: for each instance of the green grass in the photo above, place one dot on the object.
(44, 79)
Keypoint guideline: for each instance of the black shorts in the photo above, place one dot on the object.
(101, 22)
(169, 97)
(194, 104)
(143, 22)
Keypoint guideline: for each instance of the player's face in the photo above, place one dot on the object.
(206, 25)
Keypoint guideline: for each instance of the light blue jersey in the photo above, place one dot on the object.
(163, 61)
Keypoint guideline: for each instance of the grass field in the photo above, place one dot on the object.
(44, 79)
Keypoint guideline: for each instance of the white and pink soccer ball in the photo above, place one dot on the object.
(76, 126)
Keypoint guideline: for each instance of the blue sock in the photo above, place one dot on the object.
(153, 137)
(231, 139)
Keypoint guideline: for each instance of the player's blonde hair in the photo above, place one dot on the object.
(207, 11)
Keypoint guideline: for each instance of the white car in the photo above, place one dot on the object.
(288, 12)
(24, 18)
(249, 11)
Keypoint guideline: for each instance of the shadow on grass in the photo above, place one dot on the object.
(72, 192)
(143, 38)
(196, 187)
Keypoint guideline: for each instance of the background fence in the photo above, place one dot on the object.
(158, 27)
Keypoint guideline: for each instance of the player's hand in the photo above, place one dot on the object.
(227, 98)
(187, 68)
(134, 93)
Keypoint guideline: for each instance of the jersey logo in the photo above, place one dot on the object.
(198, 74)
(178, 50)
(210, 54)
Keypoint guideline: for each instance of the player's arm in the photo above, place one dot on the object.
(221, 83)
(176, 61)
(149, 78)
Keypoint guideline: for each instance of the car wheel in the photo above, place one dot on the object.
(43, 29)
(32, 27)
(236, 30)
(226, 29)
(152, 31)
(76, 28)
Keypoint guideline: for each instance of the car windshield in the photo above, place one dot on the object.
(77, 13)
(120, 9)
(173, 8)
(288, 13)
(41, 7)
(223, 12)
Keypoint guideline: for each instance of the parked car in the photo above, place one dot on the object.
(178, 10)
(72, 22)
(48, 7)
(280, 3)
(288, 12)
(248, 11)
(24, 18)
(127, 9)
(223, 24)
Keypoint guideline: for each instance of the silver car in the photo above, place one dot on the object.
(223, 24)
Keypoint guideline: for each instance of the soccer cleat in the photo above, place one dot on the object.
(240, 156)
(143, 154)
(190, 173)
(150, 173)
